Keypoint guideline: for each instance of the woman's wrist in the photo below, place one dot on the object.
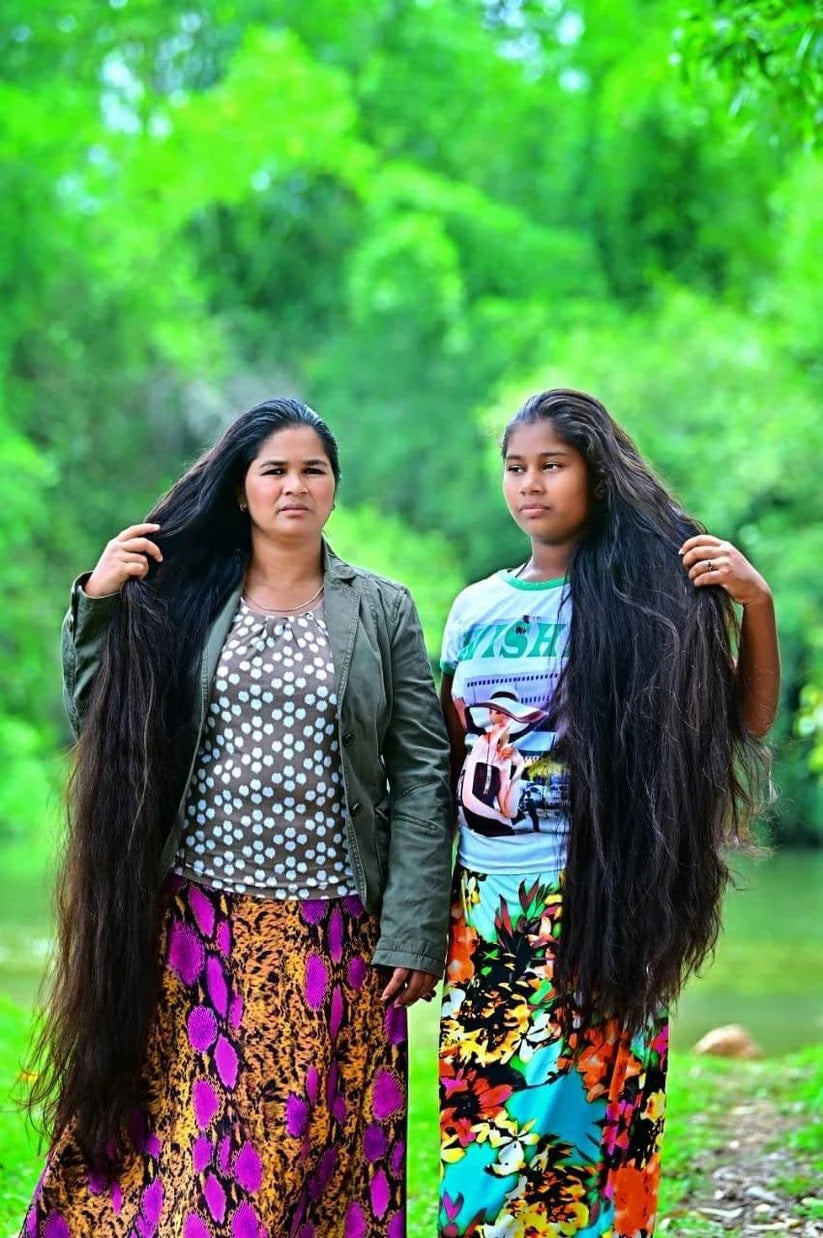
(95, 593)
(762, 600)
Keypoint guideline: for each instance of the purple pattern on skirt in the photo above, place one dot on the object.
(202, 1027)
(228, 1180)
(317, 981)
(388, 1095)
(375, 1143)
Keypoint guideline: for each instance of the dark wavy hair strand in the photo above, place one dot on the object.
(124, 791)
(663, 772)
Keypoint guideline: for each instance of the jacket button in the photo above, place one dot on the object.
(355, 808)
(347, 738)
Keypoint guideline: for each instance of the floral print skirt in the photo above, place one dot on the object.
(275, 1082)
(540, 1135)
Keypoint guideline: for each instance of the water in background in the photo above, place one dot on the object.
(768, 973)
(768, 970)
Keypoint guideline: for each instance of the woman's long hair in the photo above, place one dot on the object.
(662, 770)
(125, 789)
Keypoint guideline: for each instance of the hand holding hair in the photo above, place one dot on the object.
(710, 561)
(124, 558)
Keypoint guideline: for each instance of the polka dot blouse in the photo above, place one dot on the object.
(264, 812)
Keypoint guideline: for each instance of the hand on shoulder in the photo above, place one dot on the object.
(126, 557)
(711, 561)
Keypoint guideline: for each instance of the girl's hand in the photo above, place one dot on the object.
(126, 557)
(406, 986)
(710, 561)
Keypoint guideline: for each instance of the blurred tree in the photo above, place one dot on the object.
(400, 212)
(769, 51)
(424, 562)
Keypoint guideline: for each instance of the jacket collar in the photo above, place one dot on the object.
(335, 568)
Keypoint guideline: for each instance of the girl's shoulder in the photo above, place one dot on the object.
(480, 593)
(503, 590)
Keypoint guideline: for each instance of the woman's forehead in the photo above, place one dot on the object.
(536, 438)
(292, 442)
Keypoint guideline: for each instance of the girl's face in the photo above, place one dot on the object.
(289, 486)
(546, 484)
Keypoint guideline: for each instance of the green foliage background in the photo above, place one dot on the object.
(412, 214)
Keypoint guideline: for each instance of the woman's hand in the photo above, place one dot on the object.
(126, 557)
(710, 561)
(406, 986)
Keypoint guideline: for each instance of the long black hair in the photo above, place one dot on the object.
(125, 788)
(663, 772)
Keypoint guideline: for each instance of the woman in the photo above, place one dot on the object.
(260, 825)
(569, 939)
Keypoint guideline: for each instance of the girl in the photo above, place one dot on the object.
(261, 783)
(574, 929)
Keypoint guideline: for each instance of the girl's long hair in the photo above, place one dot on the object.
(662, 771)
(125, 788)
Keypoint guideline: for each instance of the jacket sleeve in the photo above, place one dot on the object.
(415, 912)
(84, 630)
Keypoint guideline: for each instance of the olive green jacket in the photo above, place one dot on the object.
(393, 746)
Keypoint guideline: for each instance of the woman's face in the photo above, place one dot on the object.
(546, 484)
(289, 486)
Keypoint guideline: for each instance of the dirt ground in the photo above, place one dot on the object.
(749, 1187)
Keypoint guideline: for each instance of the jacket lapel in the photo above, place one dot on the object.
(342, 606)
(214, 645)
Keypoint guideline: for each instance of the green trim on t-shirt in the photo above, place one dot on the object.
(517, 583)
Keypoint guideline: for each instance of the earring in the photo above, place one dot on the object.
(241, 505)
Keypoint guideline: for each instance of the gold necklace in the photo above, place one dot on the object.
(283, 610)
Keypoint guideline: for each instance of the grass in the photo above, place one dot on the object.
(19, 1153)
(805, 1101)
(701, 1091)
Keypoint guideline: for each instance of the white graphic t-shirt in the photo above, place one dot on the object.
(505, 643)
